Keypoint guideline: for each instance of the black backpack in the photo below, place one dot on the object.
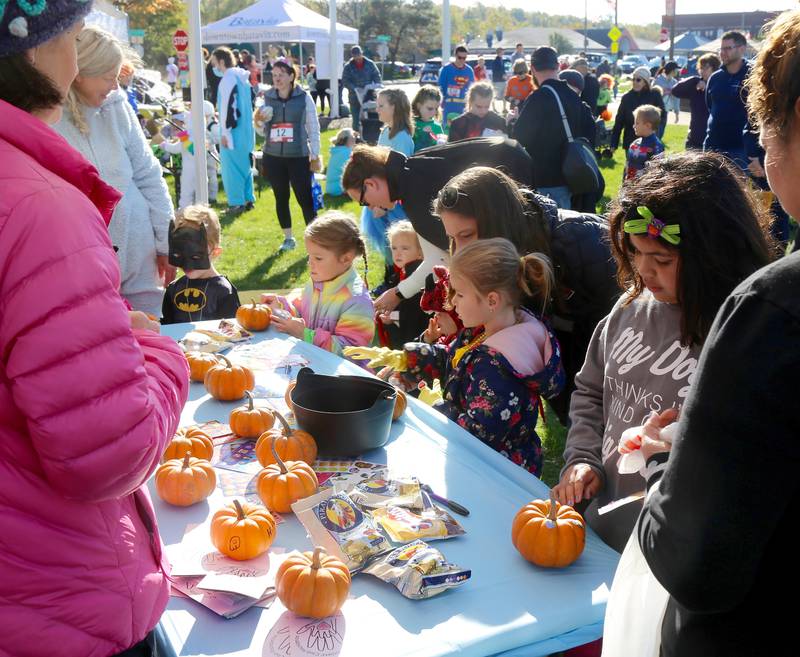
(578, 163)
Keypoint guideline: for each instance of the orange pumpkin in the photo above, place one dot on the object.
(315, 584)
(250, 422)
(255, 317)
(192, 440)
(288, 396)
(290, 445)
(281, 484)
(199, 363)
(400, 404)
(185, 481)
(242, 531)
(548, 534)
(228, 382)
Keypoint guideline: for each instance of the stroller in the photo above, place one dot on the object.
(602, 140)
(370, 123)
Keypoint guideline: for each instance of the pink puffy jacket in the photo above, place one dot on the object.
(86, 408)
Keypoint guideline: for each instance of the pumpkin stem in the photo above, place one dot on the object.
(249, 400)
(228, 363)
(277, 458)
(254, 303)
(239, 509)
(553, 507)
(287, 430)
(315, 562)
(186, 458)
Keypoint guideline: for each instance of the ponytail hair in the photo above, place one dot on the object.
(494, 265)
(338, 232)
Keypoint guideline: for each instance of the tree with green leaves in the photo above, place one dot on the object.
(560, 43)
(159, 19)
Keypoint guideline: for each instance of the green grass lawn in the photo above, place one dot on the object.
(250, 259)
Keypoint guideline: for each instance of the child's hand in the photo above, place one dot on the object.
(433, 332)
(385, 317)
(580, 482)
(294, 326)
(447, 325)
(143, 321)
(166, 272)
(268, 298)
(652, 440)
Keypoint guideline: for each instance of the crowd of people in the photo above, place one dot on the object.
(502, 288)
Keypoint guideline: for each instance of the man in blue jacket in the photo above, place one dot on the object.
(357, 74)
(727, 115)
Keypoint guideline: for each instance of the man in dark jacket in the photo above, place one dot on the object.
(357, 74)
(591, 87)
(540, 128)
(726, 103)
(498, 69)
(694, 89)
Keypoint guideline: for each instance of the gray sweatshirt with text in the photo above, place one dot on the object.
(635, 364)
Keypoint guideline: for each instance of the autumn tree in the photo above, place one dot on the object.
(159, 19)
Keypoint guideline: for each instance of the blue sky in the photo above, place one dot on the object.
(635, 11)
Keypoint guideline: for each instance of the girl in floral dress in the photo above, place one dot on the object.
(504, 360)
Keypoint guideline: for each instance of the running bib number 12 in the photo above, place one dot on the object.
(281, 133)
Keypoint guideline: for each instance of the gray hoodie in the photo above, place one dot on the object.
(635, 364)
(139, 228)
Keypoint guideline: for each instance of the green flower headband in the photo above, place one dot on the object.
(652, 227)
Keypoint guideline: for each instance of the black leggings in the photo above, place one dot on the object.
(321, 91)
(282, 171)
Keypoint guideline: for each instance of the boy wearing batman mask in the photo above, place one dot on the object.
(202, 292)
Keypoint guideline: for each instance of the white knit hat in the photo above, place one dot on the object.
(642, 72)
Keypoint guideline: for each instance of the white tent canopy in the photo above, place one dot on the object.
(275, 21)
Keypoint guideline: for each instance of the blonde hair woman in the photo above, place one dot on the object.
(100, 123)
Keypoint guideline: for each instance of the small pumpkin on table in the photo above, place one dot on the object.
(281, 484)
(313, 584)
(255, 317)
(228, 382)
(185, 481)
(250, 421)
(243, 531)
(549, 534)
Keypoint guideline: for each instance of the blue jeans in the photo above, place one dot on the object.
(561, 196)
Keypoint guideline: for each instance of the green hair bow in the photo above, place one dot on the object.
(652, 227)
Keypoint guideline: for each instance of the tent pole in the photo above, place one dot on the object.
(300, 44)
(261, 61)
(334, 62)
(198, 124)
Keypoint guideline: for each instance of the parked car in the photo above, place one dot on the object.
(395, 70)
(430, 71)
(629, 62)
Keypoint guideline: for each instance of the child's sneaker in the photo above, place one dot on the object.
(289, 244)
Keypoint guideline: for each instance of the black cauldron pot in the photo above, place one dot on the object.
(347, 415)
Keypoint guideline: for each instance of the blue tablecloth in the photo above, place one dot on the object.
(509, 607)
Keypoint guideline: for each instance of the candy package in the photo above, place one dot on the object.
(333, 521)
(418, 571)
(404, 525)
(382, 491)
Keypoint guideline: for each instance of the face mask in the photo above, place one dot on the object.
(217, 72)
(188, 248)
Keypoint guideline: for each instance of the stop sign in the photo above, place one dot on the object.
(180, 40)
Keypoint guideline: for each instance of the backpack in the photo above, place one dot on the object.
(578, 163)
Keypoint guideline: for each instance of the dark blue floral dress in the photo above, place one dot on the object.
(486, 396)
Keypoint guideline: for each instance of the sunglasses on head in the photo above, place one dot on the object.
(449, 197)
